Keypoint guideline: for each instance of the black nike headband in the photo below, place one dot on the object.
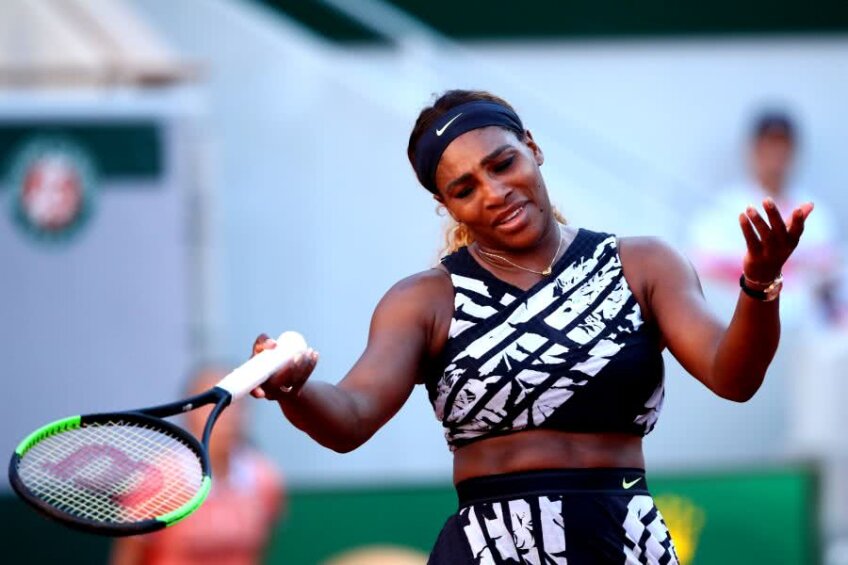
(459, 120)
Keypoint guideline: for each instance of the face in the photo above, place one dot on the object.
(772, 157)
(489, 180)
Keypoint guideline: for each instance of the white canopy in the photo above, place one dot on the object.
(67, 43)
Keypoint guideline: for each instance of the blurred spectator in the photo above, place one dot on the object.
(233, 526)
(785, 416)
(811, 273)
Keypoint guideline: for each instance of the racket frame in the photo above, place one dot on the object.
(151, 417)
(236, 384)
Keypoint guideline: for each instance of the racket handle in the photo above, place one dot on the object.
(256, 370)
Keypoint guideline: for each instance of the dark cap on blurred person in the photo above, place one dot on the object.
(773, 122)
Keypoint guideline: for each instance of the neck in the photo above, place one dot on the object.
(773, 188)
(539, 260)
(772, 184)
(540, 251)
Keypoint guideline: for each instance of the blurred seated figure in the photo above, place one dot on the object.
(233, 526)
(812, 272)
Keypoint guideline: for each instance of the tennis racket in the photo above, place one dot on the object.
(126, 473)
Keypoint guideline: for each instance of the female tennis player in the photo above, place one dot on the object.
(540, 346)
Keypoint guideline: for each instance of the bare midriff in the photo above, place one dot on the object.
(546, 449)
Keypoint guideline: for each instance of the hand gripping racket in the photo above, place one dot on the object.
(126, 473)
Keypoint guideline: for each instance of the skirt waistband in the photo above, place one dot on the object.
(620, 481)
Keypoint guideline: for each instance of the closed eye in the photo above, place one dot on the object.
(462, 192)
(502, 166)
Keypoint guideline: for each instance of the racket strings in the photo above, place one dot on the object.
(118, 472)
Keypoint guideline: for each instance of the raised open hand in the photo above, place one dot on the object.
(770, 243)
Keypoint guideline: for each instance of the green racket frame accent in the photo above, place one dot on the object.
(150, 417)
(186, 510)
(48, 430)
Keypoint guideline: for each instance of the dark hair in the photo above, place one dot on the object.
(773, 122)
(443, 104)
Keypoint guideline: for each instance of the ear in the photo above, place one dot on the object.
(537, 151)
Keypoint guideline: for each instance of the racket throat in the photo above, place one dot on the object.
(224, 400)
(212, 396)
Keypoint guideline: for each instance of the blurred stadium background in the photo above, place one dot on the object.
(232, 166)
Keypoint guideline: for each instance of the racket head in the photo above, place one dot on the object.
(116, 474)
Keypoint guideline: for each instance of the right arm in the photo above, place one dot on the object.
(345, 415)
(730, 359)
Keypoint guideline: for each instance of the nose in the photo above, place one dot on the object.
(496, 193)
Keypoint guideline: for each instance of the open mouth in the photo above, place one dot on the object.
(511, 217)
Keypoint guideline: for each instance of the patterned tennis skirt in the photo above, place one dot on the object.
(574, 517)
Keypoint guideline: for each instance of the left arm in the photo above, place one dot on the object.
(730, 360)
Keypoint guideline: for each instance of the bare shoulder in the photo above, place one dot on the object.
(423, 300)
(422, 295)
(645, 246)
(426, 284)
(650, 253)
(653, 267)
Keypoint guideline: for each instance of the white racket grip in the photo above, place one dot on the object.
(256, 370)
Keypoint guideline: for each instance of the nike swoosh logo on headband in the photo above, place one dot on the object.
(441, 130)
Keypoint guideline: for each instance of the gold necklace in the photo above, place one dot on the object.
(489, 256)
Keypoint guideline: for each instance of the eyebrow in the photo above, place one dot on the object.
(484, 161)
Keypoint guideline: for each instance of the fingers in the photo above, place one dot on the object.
(751, 239)
(261, 343)
(307, 361)
(775, 230)
(778, 228)
(259, 340)
(797, 219)
(762, 227)
(770, 243)
(300, 369)
(287, 382)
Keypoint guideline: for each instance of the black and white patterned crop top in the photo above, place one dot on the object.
(571, 353)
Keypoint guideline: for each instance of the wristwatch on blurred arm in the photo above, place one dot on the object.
(765, 292)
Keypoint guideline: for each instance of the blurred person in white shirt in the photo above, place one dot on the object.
(795, 413)
(810, 294)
